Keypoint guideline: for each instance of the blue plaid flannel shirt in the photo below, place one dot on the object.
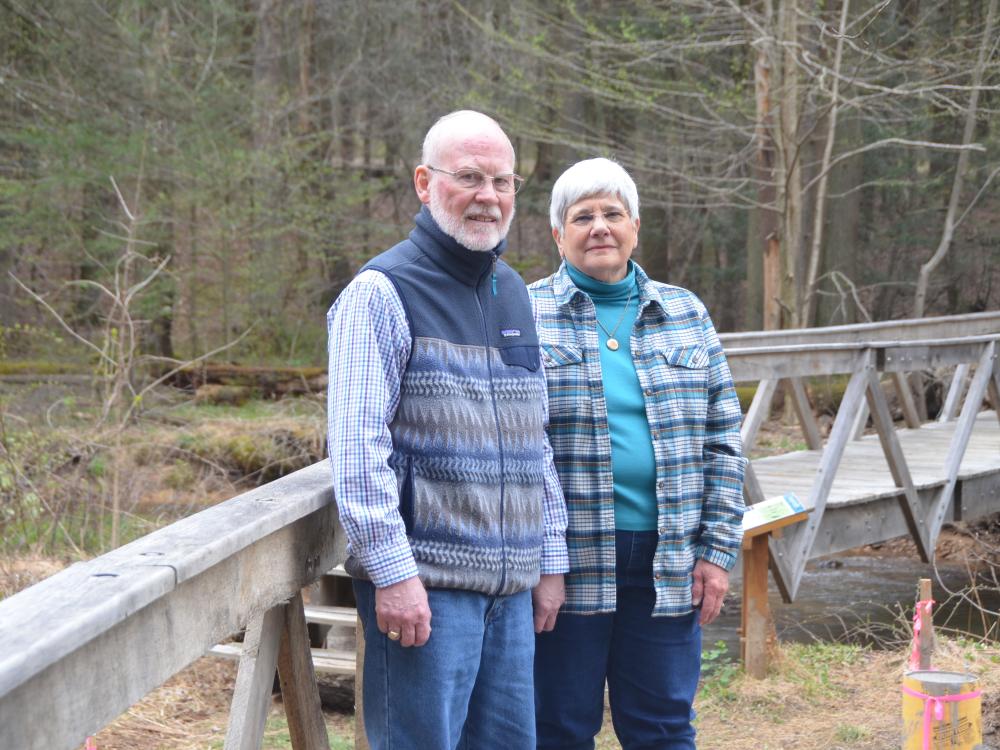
(694, 419)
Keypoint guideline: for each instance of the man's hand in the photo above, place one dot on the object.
(709, 588)
(547, 597)
(402, 608)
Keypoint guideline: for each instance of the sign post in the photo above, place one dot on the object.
(760, 522)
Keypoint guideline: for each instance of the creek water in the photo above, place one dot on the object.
(856, 598)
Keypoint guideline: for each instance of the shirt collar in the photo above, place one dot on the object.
(465, 265)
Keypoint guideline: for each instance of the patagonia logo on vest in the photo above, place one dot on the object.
(508, 333)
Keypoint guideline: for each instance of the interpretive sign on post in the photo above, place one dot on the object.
(761, 521)
(773, 513)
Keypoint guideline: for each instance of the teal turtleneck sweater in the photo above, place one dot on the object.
(633, 464)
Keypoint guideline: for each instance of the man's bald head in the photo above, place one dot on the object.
(461, 124)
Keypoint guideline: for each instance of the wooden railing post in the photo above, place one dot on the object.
(795, 389)
(299, 692)
(925, 639)
(360, 737)
(757, 413)
(756, 624)
(254, 680)
(960, 440)
(794, 550)
(954, 396)
(909, 502)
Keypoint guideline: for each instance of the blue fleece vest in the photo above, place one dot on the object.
(468, 433)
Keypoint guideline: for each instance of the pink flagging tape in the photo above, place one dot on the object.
(934, 707)
(915, 653)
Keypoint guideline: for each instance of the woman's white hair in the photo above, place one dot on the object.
(589, 178)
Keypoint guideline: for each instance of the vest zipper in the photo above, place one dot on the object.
(496, 419)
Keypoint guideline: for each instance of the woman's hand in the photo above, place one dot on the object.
(709, 589)
(547, 597)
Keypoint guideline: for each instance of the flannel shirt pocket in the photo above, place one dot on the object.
(685, 381)
(557, 355)
(690, 357)
(570, 401)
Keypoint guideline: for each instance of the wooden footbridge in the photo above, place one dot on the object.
(79, 648)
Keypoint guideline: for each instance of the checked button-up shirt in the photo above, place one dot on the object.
(694, 419)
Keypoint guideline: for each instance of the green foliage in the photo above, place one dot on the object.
(719, 671)
(265, 218)
(98, 466)
(259, 455)
(851, 733)
(22, 340)
(811, 666)
(37, 367)
(180, 475)
(277, 737)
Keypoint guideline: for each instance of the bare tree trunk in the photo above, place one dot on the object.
(819, 212)
(767, 216)
(306, 32)
(841, 230)
(790, 165)
(267, 178)
(948, 232)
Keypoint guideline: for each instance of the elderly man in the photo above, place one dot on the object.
(442, 469)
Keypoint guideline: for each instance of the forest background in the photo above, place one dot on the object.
(184, 179)
(799, 162)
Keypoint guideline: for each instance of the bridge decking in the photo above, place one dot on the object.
(863, 478)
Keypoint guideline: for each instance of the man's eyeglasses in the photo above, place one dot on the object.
(473, 179)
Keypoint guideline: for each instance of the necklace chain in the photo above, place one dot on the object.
(612, 342)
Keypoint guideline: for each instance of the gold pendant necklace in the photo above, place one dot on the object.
(612, 342)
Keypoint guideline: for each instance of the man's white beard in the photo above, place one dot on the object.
(478, 236)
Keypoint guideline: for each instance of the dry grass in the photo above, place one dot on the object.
(817, 697)
(825, 697)
(820, 697)
(191, 712)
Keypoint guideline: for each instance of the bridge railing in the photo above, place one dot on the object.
(79, 648)
(786, 359)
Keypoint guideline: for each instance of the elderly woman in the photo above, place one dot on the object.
(644, 423)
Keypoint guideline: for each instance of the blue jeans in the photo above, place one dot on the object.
(651, 665)
(468, 688)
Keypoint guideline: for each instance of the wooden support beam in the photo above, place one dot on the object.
(360, 737)
(299, 691)
(757, 623)
(995, 387)
(752, 492)
(803, 410)
(757, 413)
(906, 402)
(757, 626)
(955, 389)
(859, 422)
(968, 324)
(909, 502)
(254, 680)
(793, 550)
(925, 640)
(960, 440)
